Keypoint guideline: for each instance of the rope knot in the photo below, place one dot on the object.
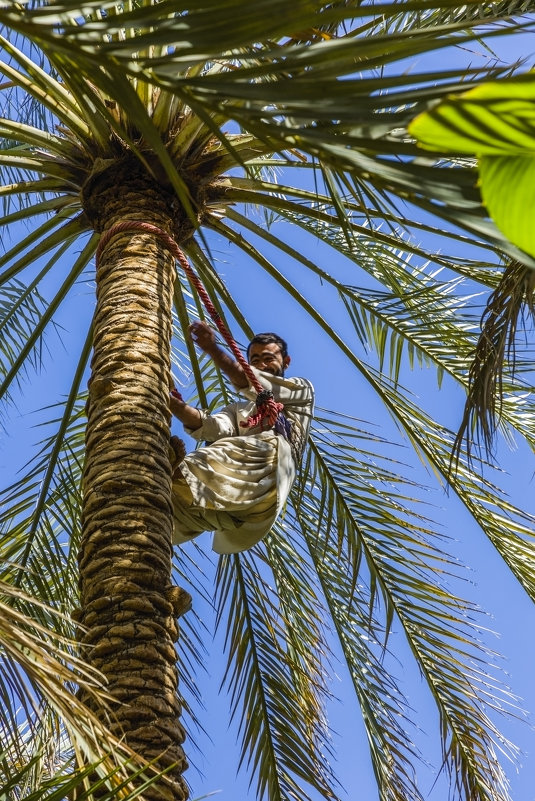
(269, 414)
(264, 397)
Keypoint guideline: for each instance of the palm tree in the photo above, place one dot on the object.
(129, 130)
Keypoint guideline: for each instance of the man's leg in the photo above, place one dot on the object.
(191, 520)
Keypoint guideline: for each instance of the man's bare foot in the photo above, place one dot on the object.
(177, 451)
(179, 599)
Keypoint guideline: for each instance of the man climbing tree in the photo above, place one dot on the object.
(238, 482)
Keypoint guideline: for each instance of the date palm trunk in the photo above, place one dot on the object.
(125, 557)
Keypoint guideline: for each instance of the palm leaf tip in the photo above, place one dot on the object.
(495, 346)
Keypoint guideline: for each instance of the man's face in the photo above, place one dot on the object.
(268, 358)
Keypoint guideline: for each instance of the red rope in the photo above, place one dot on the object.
(268, 408)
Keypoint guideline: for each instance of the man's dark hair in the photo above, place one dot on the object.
(266, 339)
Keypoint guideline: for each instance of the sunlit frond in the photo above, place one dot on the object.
(39, 669)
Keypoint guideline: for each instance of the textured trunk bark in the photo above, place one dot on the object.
(125, 558)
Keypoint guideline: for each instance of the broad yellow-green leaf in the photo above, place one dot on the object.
(508, 189)
(493, 119)
(496, 123)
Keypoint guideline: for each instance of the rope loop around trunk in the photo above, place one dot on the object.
(269, 410)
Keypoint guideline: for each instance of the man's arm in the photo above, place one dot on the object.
(202, 425)
(191, 417)
(204, 336)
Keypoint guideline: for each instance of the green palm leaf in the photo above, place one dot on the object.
(278, 719)
(389, 548)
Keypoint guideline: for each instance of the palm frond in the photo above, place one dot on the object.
(41, 86)
(41, 664)
(38, 513)
(391, 548)
(421, 315)
(496, 345)
(55, 773)
(20, 311)
(362, 640)
(249, 100)
(60, 229)
(311, 211)
(16, 360)
(274, 732)
(509, 528)
(308, 653)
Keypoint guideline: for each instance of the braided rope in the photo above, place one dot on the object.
(268, 408)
